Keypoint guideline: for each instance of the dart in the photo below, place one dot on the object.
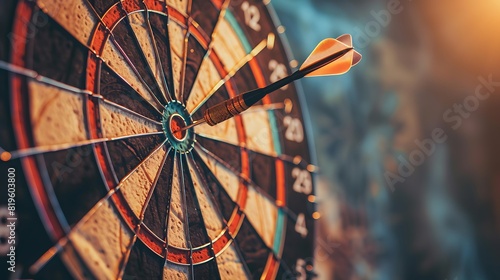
(330, 57)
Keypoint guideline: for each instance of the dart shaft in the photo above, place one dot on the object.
(237, 105)
(225, 110)
(195, 123)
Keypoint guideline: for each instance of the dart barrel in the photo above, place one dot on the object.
(225, 110)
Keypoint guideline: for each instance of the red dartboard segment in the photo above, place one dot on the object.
(154, 5)
(131, 6)
(113, 16)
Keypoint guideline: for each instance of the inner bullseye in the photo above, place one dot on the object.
(176, 117)
(176, 123)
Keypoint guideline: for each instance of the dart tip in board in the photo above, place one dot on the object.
(329, 47)
(195, 123)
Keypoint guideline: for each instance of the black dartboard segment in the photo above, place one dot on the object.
(96, 89)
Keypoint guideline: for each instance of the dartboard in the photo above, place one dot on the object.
(93, 96)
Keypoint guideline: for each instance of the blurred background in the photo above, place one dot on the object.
(410, 158)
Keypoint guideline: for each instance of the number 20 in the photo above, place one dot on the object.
(279, 72)
(302, 182)
(294, 129)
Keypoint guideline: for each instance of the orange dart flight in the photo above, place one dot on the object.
(328, 47)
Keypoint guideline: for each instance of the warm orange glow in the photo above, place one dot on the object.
(5, 156)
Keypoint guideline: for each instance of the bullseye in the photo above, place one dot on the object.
(175, 118)
(176, 124)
